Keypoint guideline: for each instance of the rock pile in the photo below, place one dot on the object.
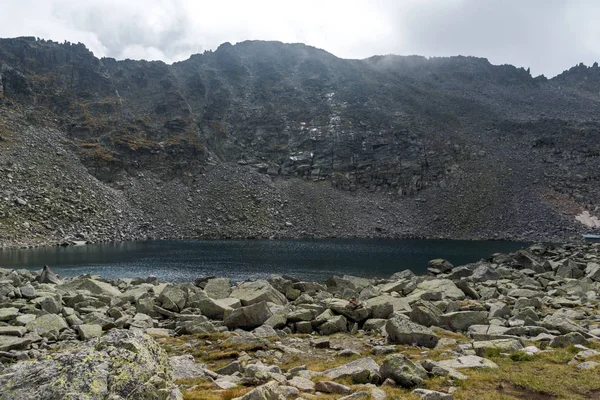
(544, 295)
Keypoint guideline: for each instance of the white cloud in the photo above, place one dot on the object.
(546, 35)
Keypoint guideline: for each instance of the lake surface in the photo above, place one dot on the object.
(316, 260)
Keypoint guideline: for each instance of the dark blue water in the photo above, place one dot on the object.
(316, 260)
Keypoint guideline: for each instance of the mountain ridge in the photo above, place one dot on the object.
(454, 147)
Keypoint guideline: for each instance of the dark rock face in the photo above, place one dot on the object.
(441, 147)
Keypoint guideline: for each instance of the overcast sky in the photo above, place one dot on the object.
(548, 36)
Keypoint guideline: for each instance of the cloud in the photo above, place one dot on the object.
(546, 35)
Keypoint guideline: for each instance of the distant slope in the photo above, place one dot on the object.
(265, 139)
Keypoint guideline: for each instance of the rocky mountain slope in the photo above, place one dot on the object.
(264, 139)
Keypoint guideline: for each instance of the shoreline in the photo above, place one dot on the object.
(49, 244)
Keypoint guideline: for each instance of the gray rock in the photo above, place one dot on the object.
(461, 320)
(12, 330)
(441, 265)
(27, 291)
(351, 368)
(425, 394)
(592, 271)
(8, 313)
(185, 367)
(445, 287)
(403, 371)
(345, 308)
(484, 273)
(258, 291)
(467, 362)
(50, 305)
(499, 310)
(501, 345)
(305, 385)
(568, 339)
(378, 306)
(173, 298)
(248, 317)
(92, 285)
(404, 331)
(331, 387)
(87, 332)
(47, 325)
(588, 365)
(335, 324)
(16, 343)
(425, 313)
(121, 365)
(47, 276)
(218, 288)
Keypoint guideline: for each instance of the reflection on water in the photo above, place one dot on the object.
(251, 259)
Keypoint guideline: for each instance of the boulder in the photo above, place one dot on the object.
(332, 387)
(592, 271)
(335, 324)
(218, 288)
(213, 309)
(467, 362)
(460, 321)
(376, 305)
(425, 313)
(8, 343)
(248, 317)
(47, 276)
(500, 345)
(346, 308)
(404, 331)
(47, 325)
(356, 366)
(402, 371)
(185, 367)
(440, 265)
(8, 313)
(91, 285)
(445, 287)
(121, 365)
(173, 298)
(258, 291)
(87, 332)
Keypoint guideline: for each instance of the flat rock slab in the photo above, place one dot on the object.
(501, 345)
(353, 367)
(15, 343)
(9, 313)
(186, 367)
(468, 362)
(13, 330)
(404, 331)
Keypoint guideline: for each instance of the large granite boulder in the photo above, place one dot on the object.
(173, 298)
(403, 371)
(460, 321)
(352, 368)
(404, 331)
(445, 287)
(47, 325)
(258, 291)
(218, 288)
(121, 365)
(248, 317)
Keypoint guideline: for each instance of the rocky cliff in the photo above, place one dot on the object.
(264, 139)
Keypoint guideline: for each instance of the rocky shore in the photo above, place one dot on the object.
(509, 326)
